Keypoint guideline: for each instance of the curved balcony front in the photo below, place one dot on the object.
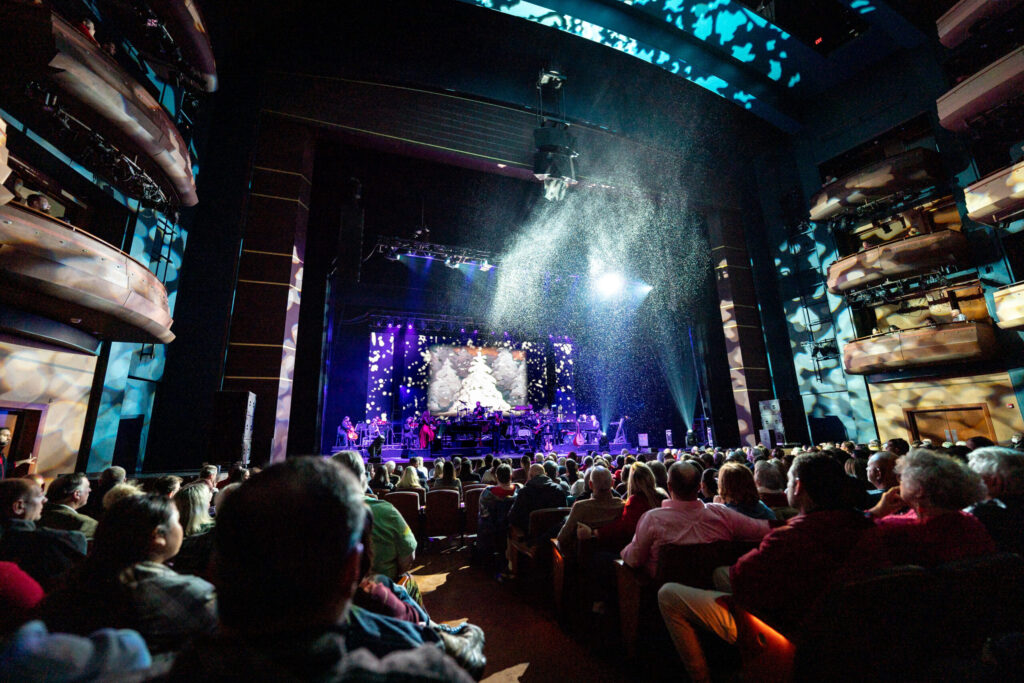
(920, 346)
(997, 197)
(1009, 305)
(985, 90)
(53, 269)
(897, 259)
(954, 27)
(914, 169)
(37, 45)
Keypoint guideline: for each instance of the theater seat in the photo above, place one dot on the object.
(408, 505)
(471, 506)
(441, 515)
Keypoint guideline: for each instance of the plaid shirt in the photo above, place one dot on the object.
(169, 607)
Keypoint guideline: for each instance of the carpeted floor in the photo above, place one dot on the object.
(525, 642)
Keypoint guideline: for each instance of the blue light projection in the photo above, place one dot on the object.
(721, 24)
(734, 30)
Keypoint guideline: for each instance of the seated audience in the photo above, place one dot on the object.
(125, 582)
(208, 475)
(379, 594)
(936, 488)
(410, 481)
(1002, 513)
(519, 475)
(492, 522)
(600, 509)
(784, 576)
(684, 520)
(66, 494)
(394, 545)
(447, 480)
(118, 492)
(381, 481)
(538, 493)
(193, 503)
(44, 554)
(108, 479)
(466, 474)
(167, 485)
(737, 490)
(642, 495)
(236, 475)
(882, 474)
(291, 537)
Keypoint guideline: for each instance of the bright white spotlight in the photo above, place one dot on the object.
(610, 284)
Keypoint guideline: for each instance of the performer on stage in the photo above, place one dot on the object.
(349, 437)
(427, 430)
(479, 413)
(497, 425)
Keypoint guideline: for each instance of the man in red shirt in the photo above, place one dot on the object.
(784, 576)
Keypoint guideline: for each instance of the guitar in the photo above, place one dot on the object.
(353, 436)
(578, 439)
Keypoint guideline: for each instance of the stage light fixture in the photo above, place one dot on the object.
(485, 266)
(554, 161)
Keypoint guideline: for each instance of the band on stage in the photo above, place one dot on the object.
(481, 427)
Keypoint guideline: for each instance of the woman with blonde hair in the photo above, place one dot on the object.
(737, 490)
(193, 503)
(641, 495)
(410, 480)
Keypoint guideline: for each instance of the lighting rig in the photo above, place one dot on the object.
(554, 159)
(395, 248)
(437, 323)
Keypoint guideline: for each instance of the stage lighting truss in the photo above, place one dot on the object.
(394, 248)
(422, 323)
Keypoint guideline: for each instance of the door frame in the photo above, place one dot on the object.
(908, 416)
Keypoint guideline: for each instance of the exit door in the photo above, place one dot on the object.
(955, 423)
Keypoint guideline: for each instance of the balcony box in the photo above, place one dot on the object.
(914, 169)
(49, 267)
(920, 346)
(897, 259)
(997, 197)
(1009, 302)
(954, 27)
(985, 90)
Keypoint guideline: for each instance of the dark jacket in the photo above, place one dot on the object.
(58, 516)
(45, 554)
(538, 493)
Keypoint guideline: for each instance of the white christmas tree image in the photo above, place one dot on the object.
(444, 388)
(505, 370)
(480, 385)
(517, 392)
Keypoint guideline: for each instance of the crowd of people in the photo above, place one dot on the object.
(302, 571)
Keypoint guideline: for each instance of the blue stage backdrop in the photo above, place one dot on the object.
(411, 372)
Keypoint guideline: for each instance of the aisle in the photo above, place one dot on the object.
(524, 641)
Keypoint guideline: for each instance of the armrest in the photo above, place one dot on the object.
(631, 583)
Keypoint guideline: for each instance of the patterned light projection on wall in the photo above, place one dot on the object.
(728, 26)
(434, 372)
(381, 364)
(721, 24)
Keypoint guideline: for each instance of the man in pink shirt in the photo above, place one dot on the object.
(684, 520)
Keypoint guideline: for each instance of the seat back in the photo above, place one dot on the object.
(441, 515)
(471, 501)
(544, 519)
(774, 499)
(693, 565)
(408, 505)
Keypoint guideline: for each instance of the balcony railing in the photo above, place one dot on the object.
(897, 259)
(920, 346)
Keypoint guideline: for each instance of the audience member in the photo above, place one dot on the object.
(784, 576)
(290, 537)
(45, 554)
(108, 479)
(381, 481)
(737, 490)
(683, 520)
(193, 503)
(66, 494)
(448, 481)
(394, 545)
(1002, 513)
(492, 522)
(125, 582)
(466, 474)
(208, 475)
(641, 496)
(600, 509)
(936, 488)
(118, 492)
(167, 485)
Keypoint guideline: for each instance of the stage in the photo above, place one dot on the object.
(399, 454)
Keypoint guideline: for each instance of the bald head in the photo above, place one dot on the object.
(683, 481)
(600, 480)
(536, 470)
(882, 470)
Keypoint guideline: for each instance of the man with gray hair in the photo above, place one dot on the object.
(67, 494)
(1002, 513)
(394, 544)
(600, 509)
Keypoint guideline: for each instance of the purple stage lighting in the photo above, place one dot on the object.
(463, 330)
(410, 326)
(476, 331)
